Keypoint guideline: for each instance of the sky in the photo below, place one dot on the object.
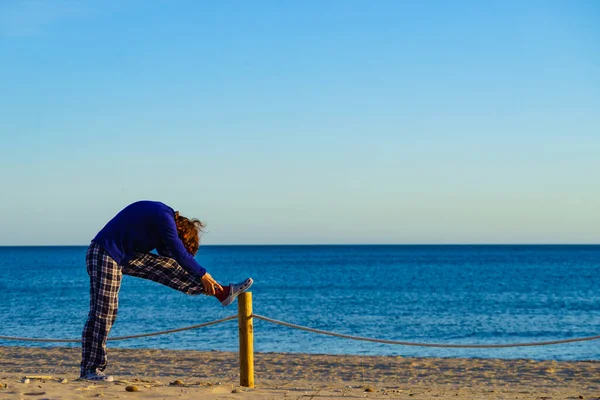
(303, 122)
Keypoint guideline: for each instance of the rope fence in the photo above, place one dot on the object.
(246, 337)
(187, 328)
(441, 345)
(317, 331)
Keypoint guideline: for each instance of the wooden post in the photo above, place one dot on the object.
(246, 339)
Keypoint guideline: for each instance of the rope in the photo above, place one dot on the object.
(319, 331)
(457, 346)
(123, 337)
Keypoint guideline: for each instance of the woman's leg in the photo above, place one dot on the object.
(105, 281)
(163, 270)
(168, 272)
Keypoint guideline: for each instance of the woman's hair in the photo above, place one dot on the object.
(188, 231)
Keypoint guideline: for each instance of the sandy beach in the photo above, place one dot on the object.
(158, 374)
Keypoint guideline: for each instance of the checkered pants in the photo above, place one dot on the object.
(105, 282)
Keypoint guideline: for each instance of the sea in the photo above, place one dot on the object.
(448, 294)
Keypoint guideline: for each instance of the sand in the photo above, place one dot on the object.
(52, 374)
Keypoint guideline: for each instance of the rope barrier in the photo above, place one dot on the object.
(187, 328)
(456, 346)
(318, 331)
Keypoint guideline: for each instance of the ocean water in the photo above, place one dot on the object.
(442, 294)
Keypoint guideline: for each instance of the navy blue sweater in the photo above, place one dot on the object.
(142, 227)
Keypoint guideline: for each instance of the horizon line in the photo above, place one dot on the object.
(335, 244)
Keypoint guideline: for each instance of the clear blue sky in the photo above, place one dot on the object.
(303, 121)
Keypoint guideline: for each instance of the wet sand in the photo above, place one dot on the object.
(52, 374)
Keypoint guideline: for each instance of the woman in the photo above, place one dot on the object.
(123, 246)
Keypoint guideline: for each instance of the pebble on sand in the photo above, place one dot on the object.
(177, 382)
(132, 388)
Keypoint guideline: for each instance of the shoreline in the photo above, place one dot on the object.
(215, 374)
(77, 346)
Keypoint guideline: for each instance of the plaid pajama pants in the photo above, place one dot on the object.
(105, 282)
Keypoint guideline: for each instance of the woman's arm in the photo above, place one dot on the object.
(174, 246)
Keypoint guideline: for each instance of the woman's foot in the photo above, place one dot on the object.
(229, 293)
(96, 376)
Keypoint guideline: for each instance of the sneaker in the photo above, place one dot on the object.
(235, 289)
(96, 376)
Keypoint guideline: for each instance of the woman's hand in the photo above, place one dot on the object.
(211, 287)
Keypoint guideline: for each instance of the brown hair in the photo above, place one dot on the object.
(188, 231)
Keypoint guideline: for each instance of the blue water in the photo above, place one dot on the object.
(445, 294)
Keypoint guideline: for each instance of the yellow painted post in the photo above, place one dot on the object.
(246, 339)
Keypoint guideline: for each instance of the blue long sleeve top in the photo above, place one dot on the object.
(142, 227)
